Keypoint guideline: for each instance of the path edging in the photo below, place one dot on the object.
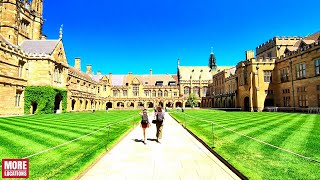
(225, 162)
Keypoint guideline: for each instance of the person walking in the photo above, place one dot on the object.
(144, 123)
(159, 123)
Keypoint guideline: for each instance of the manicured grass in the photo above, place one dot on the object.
(24, 136)
(299, 133)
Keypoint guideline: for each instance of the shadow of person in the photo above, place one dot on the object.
(138, 140)
(149, 139)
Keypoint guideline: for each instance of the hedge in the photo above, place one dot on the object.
(44, 97)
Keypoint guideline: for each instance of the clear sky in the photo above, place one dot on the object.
(122, 36)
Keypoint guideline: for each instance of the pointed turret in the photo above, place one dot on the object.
(212, 60)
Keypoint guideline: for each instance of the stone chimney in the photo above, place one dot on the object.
(249, 54)
(89, 69)
(110, 78)
(150, 72)
(129, 78)
(77, 63)
(99, 73)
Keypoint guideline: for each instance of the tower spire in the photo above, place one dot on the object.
(178, 62)
(212, 60)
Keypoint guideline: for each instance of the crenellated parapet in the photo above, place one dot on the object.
(277, 41)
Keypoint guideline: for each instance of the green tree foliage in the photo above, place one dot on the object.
(44, 97)
(192, 100)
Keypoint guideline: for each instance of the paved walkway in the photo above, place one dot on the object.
(179, 156)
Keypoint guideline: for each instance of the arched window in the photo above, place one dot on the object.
(196, 90)
(154, 93)
(160, 93)
(165, 93)
(186, 90)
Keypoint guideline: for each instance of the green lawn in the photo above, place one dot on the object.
(27, 135)
(298, 133)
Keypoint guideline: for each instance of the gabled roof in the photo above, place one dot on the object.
(315, 36)
(196, 71)
(117, 80)
(39, 46)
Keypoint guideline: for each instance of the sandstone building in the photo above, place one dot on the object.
(284, 75)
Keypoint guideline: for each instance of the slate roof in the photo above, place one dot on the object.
(186, 71)
(39, 46)
(79, 73)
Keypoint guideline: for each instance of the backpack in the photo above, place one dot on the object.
(144, 118)
(160, 116)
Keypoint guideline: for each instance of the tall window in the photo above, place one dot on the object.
(317, 66)
(300, 70)
(115, 93)
(125, 93)
(57, 75)
(154, 93)
(159, 93)
(267, 76)
(104, 88)
(135, 90)
(17, 99)
(20, 68)
(196, 90)
(186, 90)
(98, 89)
(245, 76)
(204, 90)
(165, 93)
(284, 75)
(286, 101)
(303, 102)
(147, 93)
(175, 94)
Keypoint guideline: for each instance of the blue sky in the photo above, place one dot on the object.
(135, 36)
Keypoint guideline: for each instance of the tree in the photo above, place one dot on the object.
(192, 100)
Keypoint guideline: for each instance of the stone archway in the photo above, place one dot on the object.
(109, 105)
(178, 104)
(33, 108)
(73, 103)
(150, 105)
(57, 104)
(120, 104)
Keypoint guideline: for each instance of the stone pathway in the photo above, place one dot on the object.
(179, 156)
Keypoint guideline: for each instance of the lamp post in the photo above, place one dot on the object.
(292, 87)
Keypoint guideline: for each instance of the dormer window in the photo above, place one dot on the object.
(159, 83)
(172, 83)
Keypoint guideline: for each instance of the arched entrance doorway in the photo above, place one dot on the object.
(33, 108)
(57, 103)
(150, 105)
(140, 104)
(109, 105)
(73, 103)
(246, 103)
(178, 104)
(120, 104)
(169, 104)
